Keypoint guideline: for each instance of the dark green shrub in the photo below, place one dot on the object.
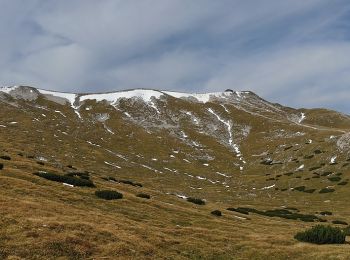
(326, 213)
(281, 213)
(128, 182)
(216, 213)
(289, 173)
(288, 147)
(342, 183)
(326, 173)
(346, 231)
(314, 168)
(1, 166)
(326, 190)
(40, 163)
(108, 194)
(308, 156)
(5, 157)
(334, 178)
(65, 179)
(339, 222)
(310, 190)
(196, 201)
(300, 188)
(322, 235)
(318, 151)
(81, 175)
(239, 210)
(143, 195)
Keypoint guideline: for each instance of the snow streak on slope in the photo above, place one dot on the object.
(228, 124)
(302, 117)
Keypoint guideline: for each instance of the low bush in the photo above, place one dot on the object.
(300, 188)
(318, 151)
(108, 194)
(196, 201)
(127, 182)
(346, 231)
(326, 190)
(342, 183)
(65, 179)
(326, 213)
(40, 163)
(216, 213)
(326, 173)
(314, 168)
(339, 222)
(5, 157)
(334, 178)
(310, 190)
(1, 166)
(322, 235)
(281, 213)
(81, 175)
(143, 195)
(239, 210)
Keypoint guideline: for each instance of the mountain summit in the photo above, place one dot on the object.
(257, 164)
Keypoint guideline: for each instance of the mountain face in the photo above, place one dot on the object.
(230, 149)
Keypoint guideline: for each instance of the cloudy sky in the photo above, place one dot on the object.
(295, 52)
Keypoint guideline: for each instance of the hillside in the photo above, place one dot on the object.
(278, 170)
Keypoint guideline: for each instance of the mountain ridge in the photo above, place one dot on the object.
(226, 150)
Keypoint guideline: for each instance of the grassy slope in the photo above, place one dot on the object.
(44, 219)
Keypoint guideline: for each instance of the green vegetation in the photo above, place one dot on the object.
(65, 179)
(322, 235)
(1, 166)
(339, 222)
(196, 201)
(334, 178)
(127, 182)
(326, 213)
(108, 194)
(326, 190)
(281, 213)
(143, 195)
(5, 157)
(216, 213)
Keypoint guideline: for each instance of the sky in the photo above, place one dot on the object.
(294, 52)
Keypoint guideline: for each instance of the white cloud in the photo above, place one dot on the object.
(292, 52)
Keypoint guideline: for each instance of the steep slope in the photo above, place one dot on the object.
(232, 149)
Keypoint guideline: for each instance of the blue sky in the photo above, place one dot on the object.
(293, 52)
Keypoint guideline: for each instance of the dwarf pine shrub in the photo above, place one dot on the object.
(143, 195)
(216, 213)
(108, 194)
(339, 222)
(322, 235)
(326, 190)
(65, 179)
(196, 201)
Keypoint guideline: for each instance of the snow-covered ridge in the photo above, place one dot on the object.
(7, 89)
(145, 94)
(69, 96)
(205, 97)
